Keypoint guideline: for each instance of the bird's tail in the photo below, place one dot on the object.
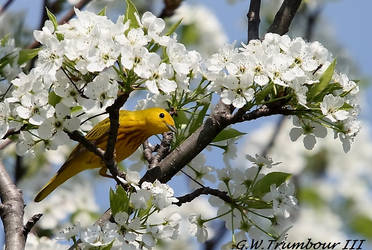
(63, 174)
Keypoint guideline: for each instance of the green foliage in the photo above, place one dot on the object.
(26, 55)
(102, 12)
(252, 202)
(262, 186)
(198, 118)
(310, 196)
(189, 34)
(53, 98)
(108, 247)
(362, 224)
(173, 28)
(119, 201)
(227, 133)
(52, 18)
(320, 89)
(130, 14)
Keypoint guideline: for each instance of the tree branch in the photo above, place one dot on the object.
(162, 150)
(11, 211)
(77, 136)
(311, 22)
(5, 6)
(203, 190)
(30, 224)
(254, 19)
(5, 143)
(70, 14)
(169, 8)
(113, 112)
(284, 17)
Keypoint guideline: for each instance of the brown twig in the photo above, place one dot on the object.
(170, 7)
(311, 23)
(284, 17)
(274, 136)
(220, 232)
(11, 211)
(204, 190)
(113, 112)
(5, 143)
(5, 6)
(30, 224)
(77, 136)
(254, 19)
(70, 14)
(44, 15)
(162, 150)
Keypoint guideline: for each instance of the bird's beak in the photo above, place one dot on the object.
(172, 128)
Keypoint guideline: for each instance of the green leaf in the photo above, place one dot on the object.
(311, 196)
(261, 95)
(102, 12)
(190, 34)
(4, 40)
(253, 202)
(173, 28)
(76, 109)
(108, 247)
(130, 14)
(180, 119)
(227, 133)
(323, 81)
(26, 55)
(53, 98)
(196, 123)
(346, 106)
(119, 201)
(362, 224)
(52, 18)
(262, 186)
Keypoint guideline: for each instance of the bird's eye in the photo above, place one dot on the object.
(161, 115)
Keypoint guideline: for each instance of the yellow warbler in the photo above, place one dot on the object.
(135, 127)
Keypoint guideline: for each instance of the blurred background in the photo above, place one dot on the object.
(334, 189)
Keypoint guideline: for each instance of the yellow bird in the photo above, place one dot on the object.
(134, 128)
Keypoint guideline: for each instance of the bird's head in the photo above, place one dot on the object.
(159, 120)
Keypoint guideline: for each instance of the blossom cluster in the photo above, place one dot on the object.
(261, 214)
(280, 68)
(133, 228)
(83, 65)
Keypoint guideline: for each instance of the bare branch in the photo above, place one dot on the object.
(204, 190)
(218, 236)
(11, 211)
(147, 151)
(113, 111)
(311, 22)
(30, 224)
(5, 6)
(284, 17)
(163, 149)
(254, 19)
(77, 136)
(5, 143)
(264, 111)
(70, 14)
(274, 136)
(44, 15)
(169, 8)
